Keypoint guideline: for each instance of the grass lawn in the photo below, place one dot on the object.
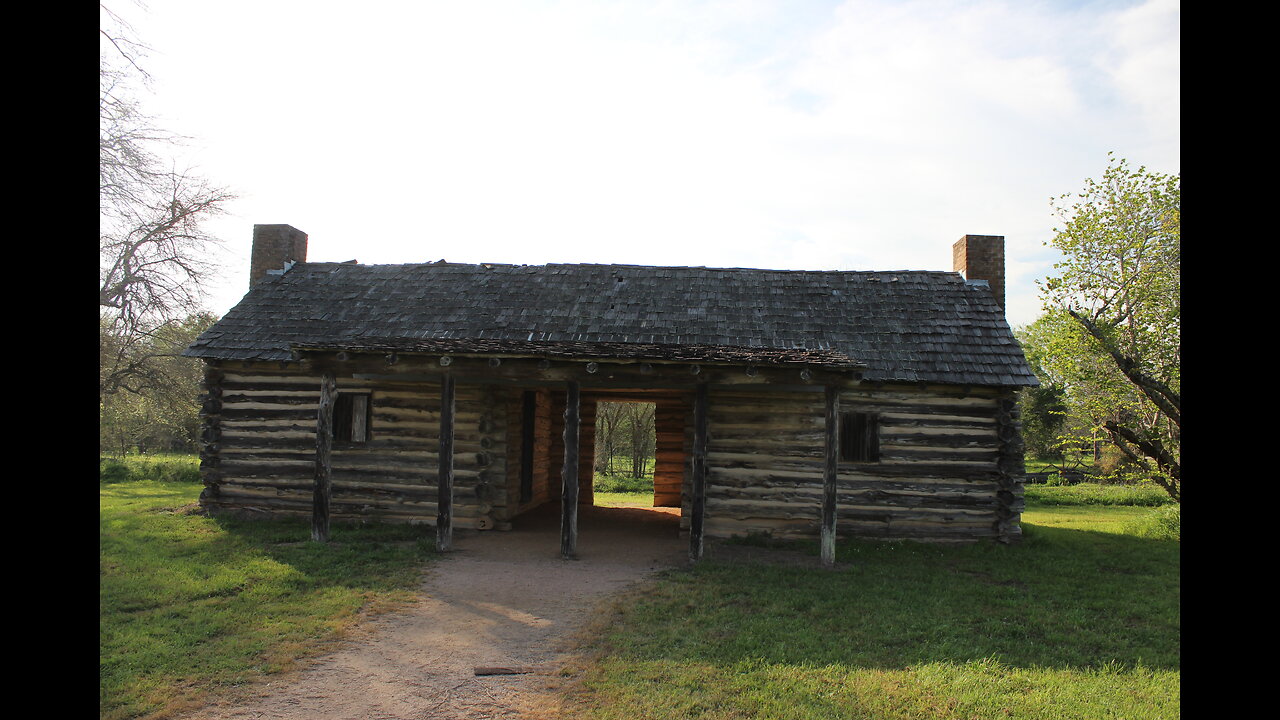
(1080, 620)
(191, 604)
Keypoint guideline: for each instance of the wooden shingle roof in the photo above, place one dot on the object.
(901, 326)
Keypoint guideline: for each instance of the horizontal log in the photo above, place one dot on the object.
(863, 493)
(846, 528)
(920, 472)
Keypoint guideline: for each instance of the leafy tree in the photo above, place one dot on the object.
(1113, 316)
(165, 412)
(1044, 408)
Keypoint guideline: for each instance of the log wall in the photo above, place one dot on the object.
(260, 449)
(950, 458)
(940, 475)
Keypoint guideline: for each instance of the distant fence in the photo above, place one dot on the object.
(1067, 477)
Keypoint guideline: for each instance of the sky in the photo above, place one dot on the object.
(781, 134)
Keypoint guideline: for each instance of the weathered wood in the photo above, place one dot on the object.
(828, 533)
(569, 475)
(608, 375)
(697, 522)
(506, 670)
(950, 459)
(669, 458)
(324, 445)
(444, 491)
(586, 452)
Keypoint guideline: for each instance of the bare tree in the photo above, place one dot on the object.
(642, 438)
(153, 249)
(608, 440)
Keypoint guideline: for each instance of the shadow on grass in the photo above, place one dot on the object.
(190, 603)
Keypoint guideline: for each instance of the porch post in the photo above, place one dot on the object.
(444, 488)
(699, 472)
(569, 475)
(828, 535)
(322, 487)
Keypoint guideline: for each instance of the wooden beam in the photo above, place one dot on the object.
(621, 374)
(569, 475)
(444, 493)
(699, 472)
(322, 488)
(828, 532)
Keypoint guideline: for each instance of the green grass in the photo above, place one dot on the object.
(624, 499)
(1080, 620)
(191, 605)
(1097, 494)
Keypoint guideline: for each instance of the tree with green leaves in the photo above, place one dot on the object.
(157, 405)
(1112, 326)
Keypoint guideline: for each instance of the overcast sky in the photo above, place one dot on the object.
(789, 134)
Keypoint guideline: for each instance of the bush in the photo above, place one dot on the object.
(112, 471)
(1163, 524)
(156, 468)
(1114, 465)
(618, 483)
(1053, 493)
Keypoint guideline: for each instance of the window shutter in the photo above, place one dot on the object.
(359, 418)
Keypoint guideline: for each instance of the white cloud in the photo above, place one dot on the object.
(864, 134)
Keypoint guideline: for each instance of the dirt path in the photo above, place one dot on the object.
(500, 599)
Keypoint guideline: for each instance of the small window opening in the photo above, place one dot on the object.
(351, 417)
(859, 437)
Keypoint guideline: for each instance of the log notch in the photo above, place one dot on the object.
(1010, 469)
(569, 476)
(832, 447)
(444, 487)
(210, 434)
(323, 487)
(698, 462)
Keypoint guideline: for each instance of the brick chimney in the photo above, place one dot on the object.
(273, 246)
(981, 257)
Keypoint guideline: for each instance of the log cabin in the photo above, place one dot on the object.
(797, 404)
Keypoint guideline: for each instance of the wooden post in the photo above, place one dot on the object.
(699, 472)
(323, 487)
(828, 534)
(569, 476)
(444, 488)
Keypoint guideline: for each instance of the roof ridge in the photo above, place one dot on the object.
(489, 265)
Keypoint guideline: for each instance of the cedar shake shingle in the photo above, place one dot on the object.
(911, 326)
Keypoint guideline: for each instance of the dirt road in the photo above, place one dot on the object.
(499, 599)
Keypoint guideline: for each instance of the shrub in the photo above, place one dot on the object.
(1055, 493)
(618, 483)
(1113, 465)
(113, 471)
(1163, 524)
(157, 468)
